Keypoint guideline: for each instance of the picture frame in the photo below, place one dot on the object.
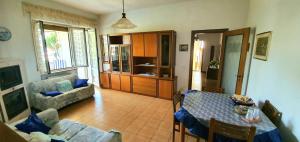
(183, 47)
(262, 45)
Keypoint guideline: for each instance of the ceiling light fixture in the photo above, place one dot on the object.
(123, 23)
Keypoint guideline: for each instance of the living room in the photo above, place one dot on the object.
(113, 98)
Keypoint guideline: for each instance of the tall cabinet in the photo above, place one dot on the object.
(142, 63)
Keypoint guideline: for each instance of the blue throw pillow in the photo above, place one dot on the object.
(51, 93)
(80, 83)
(33, 124)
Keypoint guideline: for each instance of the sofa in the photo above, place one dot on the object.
(70, 131)
(41, 102)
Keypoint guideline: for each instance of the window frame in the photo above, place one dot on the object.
(56, 27)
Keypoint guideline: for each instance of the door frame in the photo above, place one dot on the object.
(243, 56)
(193, 33)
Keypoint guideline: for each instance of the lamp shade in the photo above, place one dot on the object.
(124, 23)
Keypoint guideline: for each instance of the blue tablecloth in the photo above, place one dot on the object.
(199, 107)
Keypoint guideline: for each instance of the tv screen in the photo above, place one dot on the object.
(10, 77)
(15, 103)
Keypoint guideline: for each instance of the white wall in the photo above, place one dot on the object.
(183, 18)
(278, 79)
(21, 44)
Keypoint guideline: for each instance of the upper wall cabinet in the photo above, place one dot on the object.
(138, 45)
(165, 49)
(151, 44)
(145, 45)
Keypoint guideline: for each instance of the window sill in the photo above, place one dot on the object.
(63, 70)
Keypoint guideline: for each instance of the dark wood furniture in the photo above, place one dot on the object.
(230, 131)
(142, 63)
(212, 89)
(272, 113)
(8, 135)
(177, 99)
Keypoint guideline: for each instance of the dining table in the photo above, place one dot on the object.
(199, 107)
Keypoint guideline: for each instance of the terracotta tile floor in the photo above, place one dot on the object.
(139, 118)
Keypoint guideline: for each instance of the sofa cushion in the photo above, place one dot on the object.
(88, 134)
(49, 84)
(67, 129)
(64, 86)
(33, 124)
(39, 137)
(80, 83)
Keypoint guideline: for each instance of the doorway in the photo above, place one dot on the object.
(205, 49)
(221, 56)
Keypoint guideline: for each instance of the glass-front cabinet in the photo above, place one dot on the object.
(120, 58)
(115, 58)
(125, 58)
(165, 45)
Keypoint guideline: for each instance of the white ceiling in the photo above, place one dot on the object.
(109, 6)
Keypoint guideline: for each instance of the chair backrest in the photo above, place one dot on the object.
(177, 98)
(230, 131)
(272, 113)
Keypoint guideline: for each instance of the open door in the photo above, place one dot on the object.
(233, 57)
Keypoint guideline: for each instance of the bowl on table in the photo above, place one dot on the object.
(242, 100)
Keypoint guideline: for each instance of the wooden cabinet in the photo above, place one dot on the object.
(138, 45)
(125, 83)
(166, 89)
(143, 85)
(142, 63)
(115, 81)
(104, 80)
(145, 45)
(151, 44)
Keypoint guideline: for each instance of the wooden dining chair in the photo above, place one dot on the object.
(272, 113)
(178, 99)
(230, 131)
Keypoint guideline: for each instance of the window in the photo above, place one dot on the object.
(58, 49)
(64, 47)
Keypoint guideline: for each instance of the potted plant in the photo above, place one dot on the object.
(213, 69)
(214, 64)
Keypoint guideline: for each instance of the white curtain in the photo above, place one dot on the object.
(39, 46)
(41, 13)
(79, 47)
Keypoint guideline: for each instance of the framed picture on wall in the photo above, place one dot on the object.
(183, 47)
(262, 45)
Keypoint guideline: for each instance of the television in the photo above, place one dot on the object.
(15, 103)
(10, 77)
